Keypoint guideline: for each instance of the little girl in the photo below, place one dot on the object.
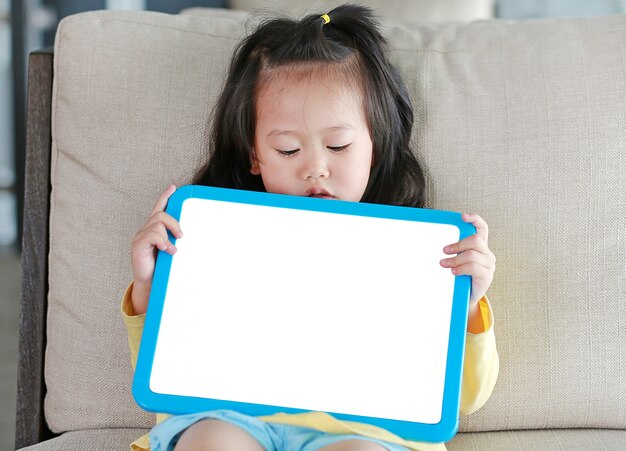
(313, 108)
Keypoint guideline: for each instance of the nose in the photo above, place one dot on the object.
(315, 165)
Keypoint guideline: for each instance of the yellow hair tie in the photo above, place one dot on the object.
(326, 18)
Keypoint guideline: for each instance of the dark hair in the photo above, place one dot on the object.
(351, 40)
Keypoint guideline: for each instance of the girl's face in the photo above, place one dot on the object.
(312, 139)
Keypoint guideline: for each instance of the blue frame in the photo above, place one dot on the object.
(177, 405)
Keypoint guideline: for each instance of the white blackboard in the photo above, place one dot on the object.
(277, 303)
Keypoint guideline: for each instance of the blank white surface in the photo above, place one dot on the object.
(311, 310)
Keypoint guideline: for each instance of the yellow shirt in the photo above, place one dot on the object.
(480, 372)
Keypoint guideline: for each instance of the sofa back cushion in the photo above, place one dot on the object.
(404, 10)
(522, 122)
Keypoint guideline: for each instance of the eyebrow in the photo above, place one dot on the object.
(277, 131)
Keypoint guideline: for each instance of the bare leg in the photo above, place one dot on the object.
(354, 445)
(216, 435)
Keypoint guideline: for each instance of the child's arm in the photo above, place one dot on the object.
(134, 325)
(481, 365)
(475, 321)
(152, 236)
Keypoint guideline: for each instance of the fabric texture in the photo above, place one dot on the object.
(522, 122)
(480, 373)
(404, 10)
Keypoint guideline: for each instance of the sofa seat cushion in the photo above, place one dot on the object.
(546, 439)
(540, 439)
(91, 439)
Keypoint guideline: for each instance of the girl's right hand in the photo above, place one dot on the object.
(150, 238)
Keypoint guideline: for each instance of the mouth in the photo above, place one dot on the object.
(319, 192)
(321, 196)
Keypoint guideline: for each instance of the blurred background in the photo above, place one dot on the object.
(26, 25)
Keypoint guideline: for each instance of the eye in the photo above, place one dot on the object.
(287, 153)
(338, 149)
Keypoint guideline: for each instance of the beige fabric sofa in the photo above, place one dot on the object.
(404, 10)
(523, 122)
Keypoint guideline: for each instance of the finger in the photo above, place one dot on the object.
(163, 244)
(157, 237)
(160, 217)
(482, 229)
(474, 241)
(468, 257)
(163, 198)
(476, 270)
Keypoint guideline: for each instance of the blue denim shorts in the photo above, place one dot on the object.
(272, 436)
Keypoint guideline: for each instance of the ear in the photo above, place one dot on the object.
(254, 164)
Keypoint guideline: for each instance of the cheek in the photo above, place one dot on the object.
(276, 176)
(353, 175)
(361, 165)
(365, 170)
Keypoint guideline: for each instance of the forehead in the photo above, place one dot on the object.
(310, 96)
(341, 75)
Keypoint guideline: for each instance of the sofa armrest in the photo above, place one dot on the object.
(31, 427)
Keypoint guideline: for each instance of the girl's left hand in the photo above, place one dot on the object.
(474, 258)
